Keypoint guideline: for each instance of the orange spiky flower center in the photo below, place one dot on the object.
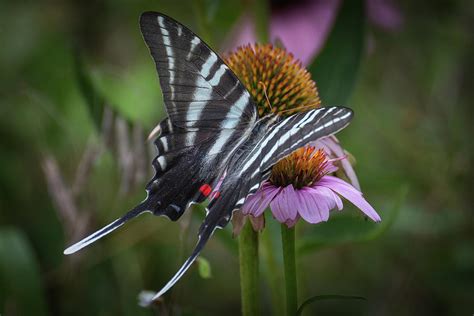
(302, 168)
(277, 81)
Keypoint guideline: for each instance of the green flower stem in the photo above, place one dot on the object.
(272, 271)
(289, 262)
(248, 257)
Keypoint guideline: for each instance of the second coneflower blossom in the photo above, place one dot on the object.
(300, 187)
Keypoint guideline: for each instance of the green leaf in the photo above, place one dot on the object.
(204, 267)
(326, 297)
(343, 228)
(20, 282)
(215, 19)
(335, 68)
(134, 93)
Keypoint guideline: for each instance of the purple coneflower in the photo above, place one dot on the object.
(300, 186)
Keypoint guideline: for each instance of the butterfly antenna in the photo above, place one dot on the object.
(306, 106)
(265, 92)
(139, 209)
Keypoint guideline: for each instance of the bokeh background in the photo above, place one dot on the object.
(79, 94)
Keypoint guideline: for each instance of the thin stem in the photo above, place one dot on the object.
(289, 262)
(272, 270)
(248, 255)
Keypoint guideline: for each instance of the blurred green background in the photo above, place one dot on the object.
(79, 94)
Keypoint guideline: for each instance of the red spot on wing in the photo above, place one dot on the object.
(205, 189)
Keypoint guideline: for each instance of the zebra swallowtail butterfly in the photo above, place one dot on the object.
(212, 135)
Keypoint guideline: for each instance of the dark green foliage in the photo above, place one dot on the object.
(21, 289)
(336, 68)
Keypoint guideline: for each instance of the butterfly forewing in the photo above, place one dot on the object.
(199, 90)
(297, 131)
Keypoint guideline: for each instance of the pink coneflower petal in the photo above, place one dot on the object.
(327, 199)
(337, 200)
(312, 205)
(297, 23)
(334, 150)
(258, 222)
(291, 223)
(306, 207)
(327, 196)
(293, 26)
(239, 219)
(330, 168)
(351, 194)
(257, 203)
(283, 206)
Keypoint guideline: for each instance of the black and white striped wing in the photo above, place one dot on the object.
(209, 112)
(295, 132)
(246, 173)
(199, 90)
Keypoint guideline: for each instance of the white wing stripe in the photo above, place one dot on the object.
(90, 239)
(169, 52)
(162, 161)
(164, 142)
(194, 43)
(217, 76)
(310, 134)
(241, 102)
(206, 68)
(277, 141)
(306, 119)
(259, 147)
(221, 141)
(309, 119)
(287, 135)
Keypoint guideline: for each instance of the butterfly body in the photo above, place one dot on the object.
(212, 143)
